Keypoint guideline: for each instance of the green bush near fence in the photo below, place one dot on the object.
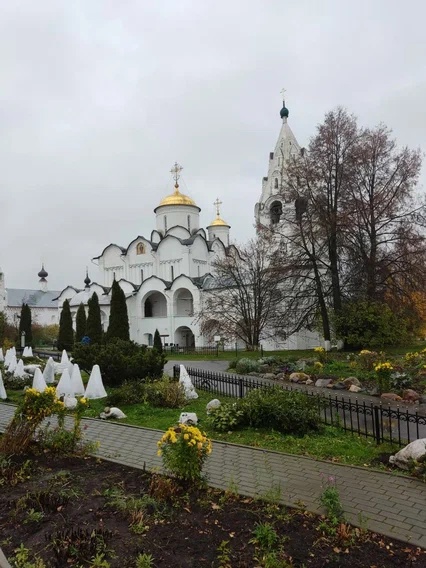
(288, 412)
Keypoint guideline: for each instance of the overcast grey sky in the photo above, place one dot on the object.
(98, 98)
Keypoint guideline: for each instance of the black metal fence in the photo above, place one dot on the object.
(206, 350)
(56, 355)
(382, 423)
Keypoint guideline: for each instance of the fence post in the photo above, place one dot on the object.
(240, 385)
(377, 436)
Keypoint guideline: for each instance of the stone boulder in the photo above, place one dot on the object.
(413, 451)
(410, 395)
(355, 388)
(189, 418)
(299, 378)
(391, 396)
(269, 376)
(352, 381)
(339, 386)
(309, 382)
(423, 399)
(322, 382)
(213, 405)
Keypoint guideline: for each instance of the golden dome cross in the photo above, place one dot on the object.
(175, 171)
(217, 204)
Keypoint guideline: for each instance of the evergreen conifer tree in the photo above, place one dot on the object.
(158, 345)
(25, 324)
(66, 332)
(118, 318)
(94, 324)
(80, 323)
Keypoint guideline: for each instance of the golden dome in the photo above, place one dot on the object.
(218, 222)
(177, 198)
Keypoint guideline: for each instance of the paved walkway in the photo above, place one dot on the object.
(388, 504)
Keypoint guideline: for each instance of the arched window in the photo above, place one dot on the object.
(172, 272)
(275, 212)
(141, 275)
(276, 183)
(189, 223)
(140, 248)
(165, 223)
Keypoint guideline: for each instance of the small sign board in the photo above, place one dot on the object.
(217, 338)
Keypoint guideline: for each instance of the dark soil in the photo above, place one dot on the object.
(87, 509)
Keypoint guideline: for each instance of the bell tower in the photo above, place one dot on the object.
(274, 198)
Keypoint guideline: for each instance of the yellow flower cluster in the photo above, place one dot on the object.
(367, 352)
(38, 405)
(191, 436)
(383, 367)
(319, 350)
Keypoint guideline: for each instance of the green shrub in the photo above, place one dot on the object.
(130, 392)
(165, 393)
(227, 417)
(289, 412)
(232, 364)
(121, 361)
(400, 381)
(245, 365)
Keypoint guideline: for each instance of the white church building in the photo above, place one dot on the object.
(165, 274)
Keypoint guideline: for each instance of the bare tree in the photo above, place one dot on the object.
(246, 296)
(383, 237)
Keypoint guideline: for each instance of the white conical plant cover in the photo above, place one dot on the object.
(3, 395)
(64, 358)
(70, 368)
(49, 371)
(30, 351)
(8, 357)
(64, 386)
(12, 364)
(38, 381)
(95, 387)
(77, 381)
(188, 387)
(19, 371)
(14, 350)
(1, 355)
(25, 352)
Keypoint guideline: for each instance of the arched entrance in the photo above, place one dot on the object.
(184, 337)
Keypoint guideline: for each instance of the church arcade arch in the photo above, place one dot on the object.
(183, 302)
(154, 305)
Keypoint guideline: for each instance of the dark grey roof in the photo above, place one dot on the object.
(34, 298)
